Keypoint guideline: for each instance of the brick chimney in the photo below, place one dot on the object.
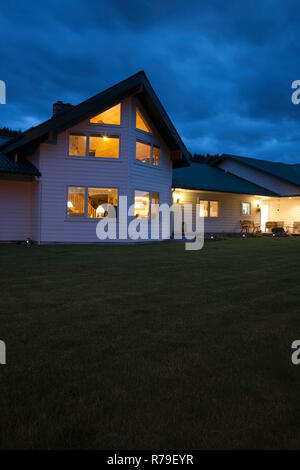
(60, 107)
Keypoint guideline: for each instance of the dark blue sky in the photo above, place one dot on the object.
(222, 69)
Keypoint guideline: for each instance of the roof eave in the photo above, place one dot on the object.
(137, 84)
(236, 158)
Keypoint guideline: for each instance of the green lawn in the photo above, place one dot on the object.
(150, 346)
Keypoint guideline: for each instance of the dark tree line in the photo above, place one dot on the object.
(204, 158)
(6, 132)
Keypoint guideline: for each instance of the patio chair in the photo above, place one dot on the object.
(246, 225)
(296, 227)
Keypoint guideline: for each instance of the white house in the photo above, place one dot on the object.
(55, 177)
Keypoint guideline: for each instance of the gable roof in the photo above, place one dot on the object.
(201, 176)
(284, 171)
(20, 167)
(136, 84)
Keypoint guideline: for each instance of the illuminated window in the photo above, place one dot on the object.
(104, 146)
(141, 123)
(246, 208)
(76, 201)
(203, 208)
(156, 155)
(141, 204)
(214, 209)
(77, 145)
(143, 152)
(154, 206)
(110, 116)
(99, 196)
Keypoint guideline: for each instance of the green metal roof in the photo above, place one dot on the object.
(284, 171)
(202, 176)
(20, 167)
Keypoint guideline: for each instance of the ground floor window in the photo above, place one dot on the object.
(142, 200)
(246, 208)
(96, 198)
(203, 208)
(76, 201)
(209, 208)
(155, 206)
(213, 209)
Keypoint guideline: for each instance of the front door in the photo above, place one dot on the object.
(264, 217)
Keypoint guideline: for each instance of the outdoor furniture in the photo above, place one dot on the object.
(247, 225)
(296, 227)
(271, 225)
(278, 231)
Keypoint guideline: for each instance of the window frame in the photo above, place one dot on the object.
(151, 144)
(86, 218)
(211, 216)
(146, 133)
(105, 124)
(250, 207)
(208, 207)
(109, 136)
(77, 134)
(87, 157)
(150, 192)
(67, 200)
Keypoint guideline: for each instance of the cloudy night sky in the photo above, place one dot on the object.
(222, 69)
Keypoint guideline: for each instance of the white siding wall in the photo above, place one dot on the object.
(59, 171)
(229, 209)
(15, 210)
(258, 177)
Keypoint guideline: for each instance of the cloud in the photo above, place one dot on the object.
(223, 70)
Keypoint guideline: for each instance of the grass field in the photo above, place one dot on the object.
(150, 346)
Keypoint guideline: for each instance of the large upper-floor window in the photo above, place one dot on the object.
(156, 155)
(141, 122)
(104, 146)
(90, 203)
(147, 153)
(143, 152)
(77, 145)
(96, 145)
(111, 116)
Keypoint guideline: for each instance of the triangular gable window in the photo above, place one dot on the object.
(141, 123)
(110, 116)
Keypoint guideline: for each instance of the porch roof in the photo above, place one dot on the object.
(201, 176)
(284, 171)
(20, 167)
